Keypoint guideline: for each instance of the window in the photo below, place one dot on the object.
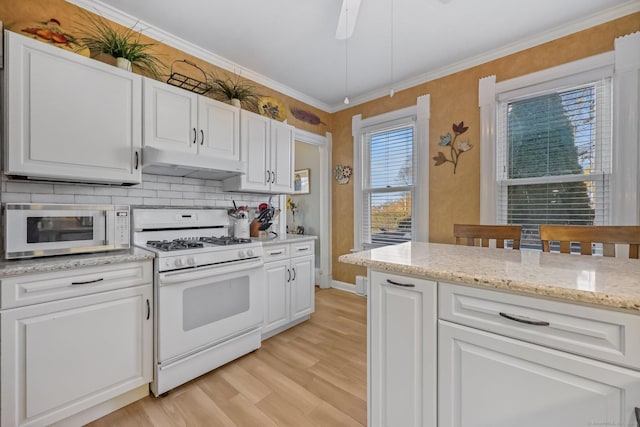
(562, 145)
(391, 176)
(554, 157)
(388, 185)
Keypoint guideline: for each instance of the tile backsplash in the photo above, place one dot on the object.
(155, 190)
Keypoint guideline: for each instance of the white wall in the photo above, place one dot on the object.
(308, 157)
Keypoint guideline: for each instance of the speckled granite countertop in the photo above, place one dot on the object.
(606, 282)
(288, 238)
(65, 262)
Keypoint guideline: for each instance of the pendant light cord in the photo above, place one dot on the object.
(391, 91)
(346, 55)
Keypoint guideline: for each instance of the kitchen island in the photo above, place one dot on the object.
(468, 336)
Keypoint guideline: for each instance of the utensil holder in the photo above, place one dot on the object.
(241, 228)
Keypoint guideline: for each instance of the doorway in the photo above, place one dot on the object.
(313, 152)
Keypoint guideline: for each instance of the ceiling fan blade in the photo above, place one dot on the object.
(347, 20)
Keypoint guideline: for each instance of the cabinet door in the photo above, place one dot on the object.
(219, 129)
(276, 296)
(282, 157)
(302, 286)
(170, 117)
(254, 137)
(402, 351)
(69, 117)
(486, 380)
(62, 357)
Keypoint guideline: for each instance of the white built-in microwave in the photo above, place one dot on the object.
(33, 230)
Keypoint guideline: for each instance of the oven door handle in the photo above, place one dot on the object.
(204, 272)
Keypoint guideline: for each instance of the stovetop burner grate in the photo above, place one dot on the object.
(226, 240)
(174, 245)
(194, 243)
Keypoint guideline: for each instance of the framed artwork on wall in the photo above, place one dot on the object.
(301, 181)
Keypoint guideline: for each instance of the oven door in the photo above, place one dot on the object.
(202, 307)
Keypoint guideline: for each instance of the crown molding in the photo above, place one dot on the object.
(169, 39)
(520, 45)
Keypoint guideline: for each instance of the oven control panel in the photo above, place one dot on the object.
(196, 258)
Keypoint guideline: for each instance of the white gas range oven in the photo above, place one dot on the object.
(208, 291)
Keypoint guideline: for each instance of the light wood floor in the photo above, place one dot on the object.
(311, 375)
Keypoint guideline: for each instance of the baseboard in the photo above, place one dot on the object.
(104, 408)
(284, 327)
(343, 286)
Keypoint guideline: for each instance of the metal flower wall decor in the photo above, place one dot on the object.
(342, 174)
(456, 148)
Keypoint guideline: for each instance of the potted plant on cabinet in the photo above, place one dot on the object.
(235, 92)
(125, 46)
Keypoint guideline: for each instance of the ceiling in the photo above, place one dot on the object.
(290, 45)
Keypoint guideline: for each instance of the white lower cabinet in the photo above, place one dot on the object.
(448, 355)
(289, 285)
(486, 380)
(402, 351)
(65, 356)
(513, 360)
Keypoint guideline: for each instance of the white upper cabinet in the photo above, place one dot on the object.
(181, 121)
(170, 117)
(219, 129)
(282, 157)
(267, 147)
(68, 117)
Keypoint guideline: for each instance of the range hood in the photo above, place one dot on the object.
(175, 163)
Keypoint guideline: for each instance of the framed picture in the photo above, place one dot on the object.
(301, 183)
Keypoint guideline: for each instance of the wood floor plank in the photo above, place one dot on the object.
(248, 385)
(346, 402)
(284, 412)
(327, 415)
(308, 376)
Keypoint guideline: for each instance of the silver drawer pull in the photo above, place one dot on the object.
(406, 285)
(303, 249)
(276, 253)
(87, 282)
(523, 319)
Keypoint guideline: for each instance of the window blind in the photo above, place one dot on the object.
(554, 149)
(388, 183)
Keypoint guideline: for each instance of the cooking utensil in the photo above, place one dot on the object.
(264, 226)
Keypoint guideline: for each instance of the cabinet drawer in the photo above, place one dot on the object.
(601, 334)
(36, 288)
(302, 248)
(276, 252)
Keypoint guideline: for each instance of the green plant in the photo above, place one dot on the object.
(226, 89)
(101, 37)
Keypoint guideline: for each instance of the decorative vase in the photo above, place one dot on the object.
(235, 102)
(123, 63)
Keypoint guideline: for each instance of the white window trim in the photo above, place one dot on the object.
(421, 111)
(625, 179)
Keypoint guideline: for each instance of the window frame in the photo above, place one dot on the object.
(366, 189)
(603, 142)
(624, 65)
(417, 115)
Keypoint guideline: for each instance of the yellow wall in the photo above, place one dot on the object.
(454, 98)
(71, 19)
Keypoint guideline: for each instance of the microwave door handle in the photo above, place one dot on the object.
(107, 226)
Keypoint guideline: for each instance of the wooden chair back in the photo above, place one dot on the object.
(467, 234)
(608, 235)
